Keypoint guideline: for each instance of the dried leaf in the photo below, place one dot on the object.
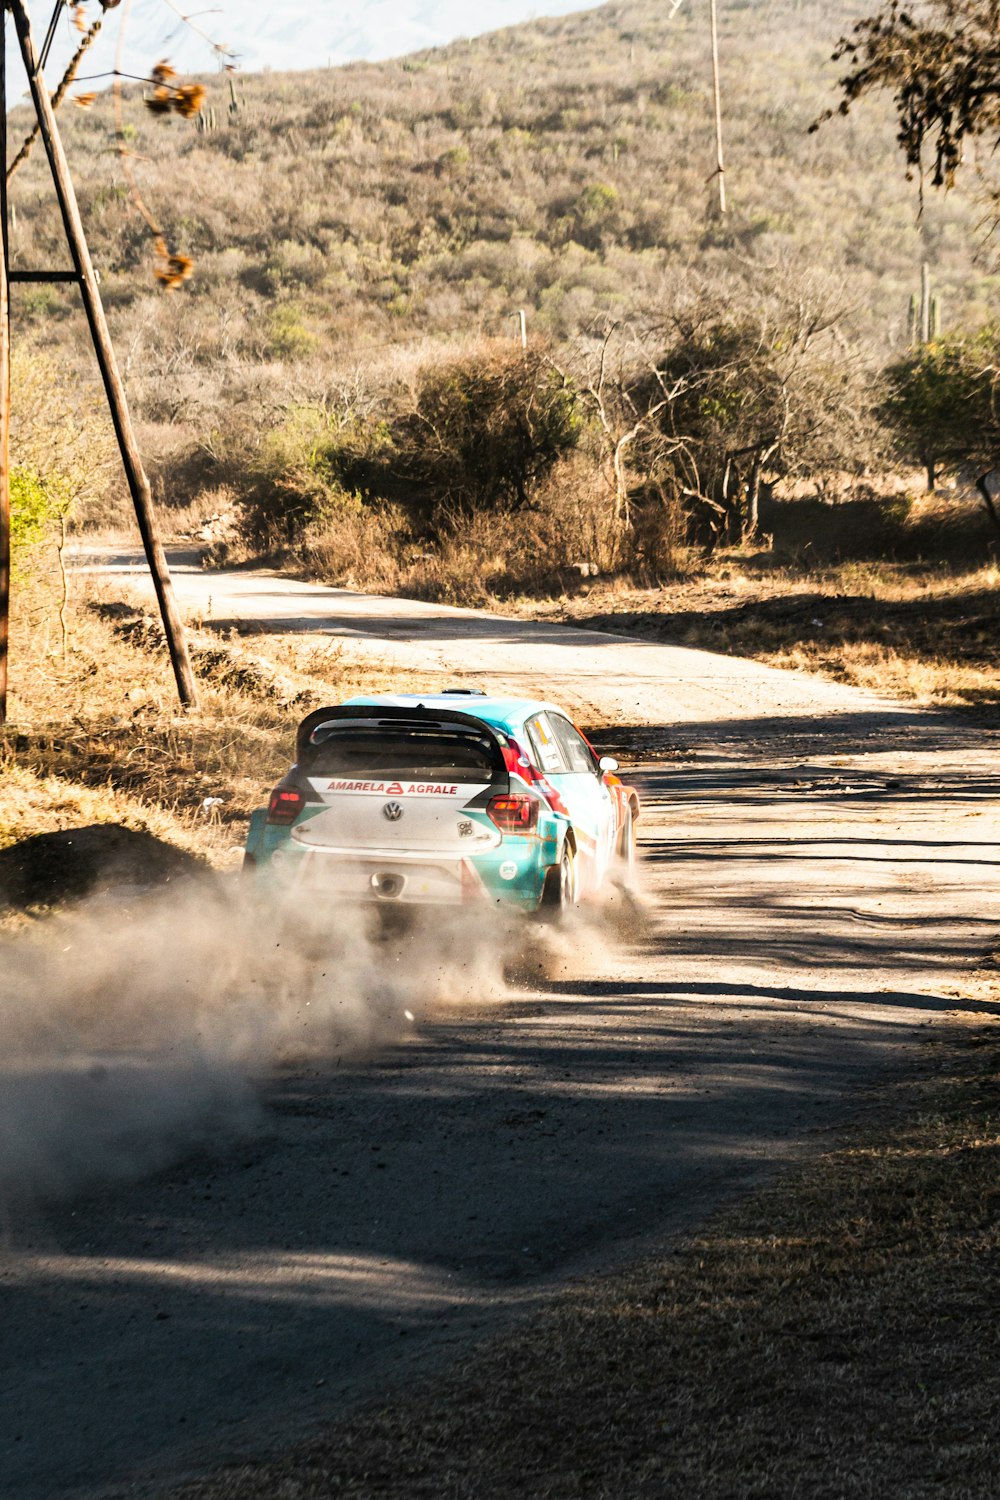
(163, 73)
(174, 271)
(161, 102)
(189, 99)
(84, 101)
(79, 18)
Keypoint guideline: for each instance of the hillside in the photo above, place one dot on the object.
(352, 217)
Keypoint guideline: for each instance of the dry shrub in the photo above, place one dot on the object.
(372, 549)
(484, 429)
(357, 548)
(475, 430)
(658, 542)
(476, 562)
(577, 518)
(568, 534)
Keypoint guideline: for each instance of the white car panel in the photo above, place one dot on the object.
(420, 816)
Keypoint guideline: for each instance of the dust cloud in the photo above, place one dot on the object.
(132, 1035)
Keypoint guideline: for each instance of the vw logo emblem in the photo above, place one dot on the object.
(393, 811)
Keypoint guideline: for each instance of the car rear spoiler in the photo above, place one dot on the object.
(417, 715)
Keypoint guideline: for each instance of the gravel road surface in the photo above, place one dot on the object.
(821, 873)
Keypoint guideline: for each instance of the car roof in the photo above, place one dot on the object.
(505, 712)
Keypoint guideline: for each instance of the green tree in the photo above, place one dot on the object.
(596, 214)
(943, 407)
(484, 429)
(35, 503)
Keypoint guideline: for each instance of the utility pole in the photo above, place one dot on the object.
(4, 383)
(720, 169)
(84, 276)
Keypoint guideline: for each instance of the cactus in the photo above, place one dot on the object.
(924, 318)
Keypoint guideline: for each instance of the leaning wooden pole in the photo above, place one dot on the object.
(4, 383)
(135, 473)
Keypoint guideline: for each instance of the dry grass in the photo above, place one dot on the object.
(894, 674)
(907, 630)
(32, 803)
(834, 1336)
(479, 559)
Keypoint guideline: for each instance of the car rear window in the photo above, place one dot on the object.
(392, 751)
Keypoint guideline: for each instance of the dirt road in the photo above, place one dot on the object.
(822, 873)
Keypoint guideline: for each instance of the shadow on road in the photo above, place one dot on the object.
(401, 1207)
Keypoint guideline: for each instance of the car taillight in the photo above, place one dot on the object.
(285, 805)
(514, 813)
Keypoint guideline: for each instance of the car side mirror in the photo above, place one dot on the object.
(608, 763)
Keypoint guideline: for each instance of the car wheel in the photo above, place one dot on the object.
(559, 894)
(625, 873)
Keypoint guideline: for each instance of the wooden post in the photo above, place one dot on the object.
(135, 473)
(720, 169)
(4, 382)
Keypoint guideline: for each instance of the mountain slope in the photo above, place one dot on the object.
(561, 166)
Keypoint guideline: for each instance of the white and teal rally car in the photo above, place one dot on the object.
(445, 799)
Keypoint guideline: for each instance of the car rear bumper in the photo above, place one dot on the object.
(387, 879)
(512, 874)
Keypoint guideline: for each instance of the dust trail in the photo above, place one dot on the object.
(590, 939)
(134, 1032)
(132, 1035)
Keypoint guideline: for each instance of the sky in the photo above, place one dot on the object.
(263, 34)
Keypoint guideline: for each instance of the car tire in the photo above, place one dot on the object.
(559, 894)
(625, 873)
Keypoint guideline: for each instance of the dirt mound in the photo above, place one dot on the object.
(51, 868)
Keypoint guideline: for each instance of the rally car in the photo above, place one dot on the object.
(446, 799)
